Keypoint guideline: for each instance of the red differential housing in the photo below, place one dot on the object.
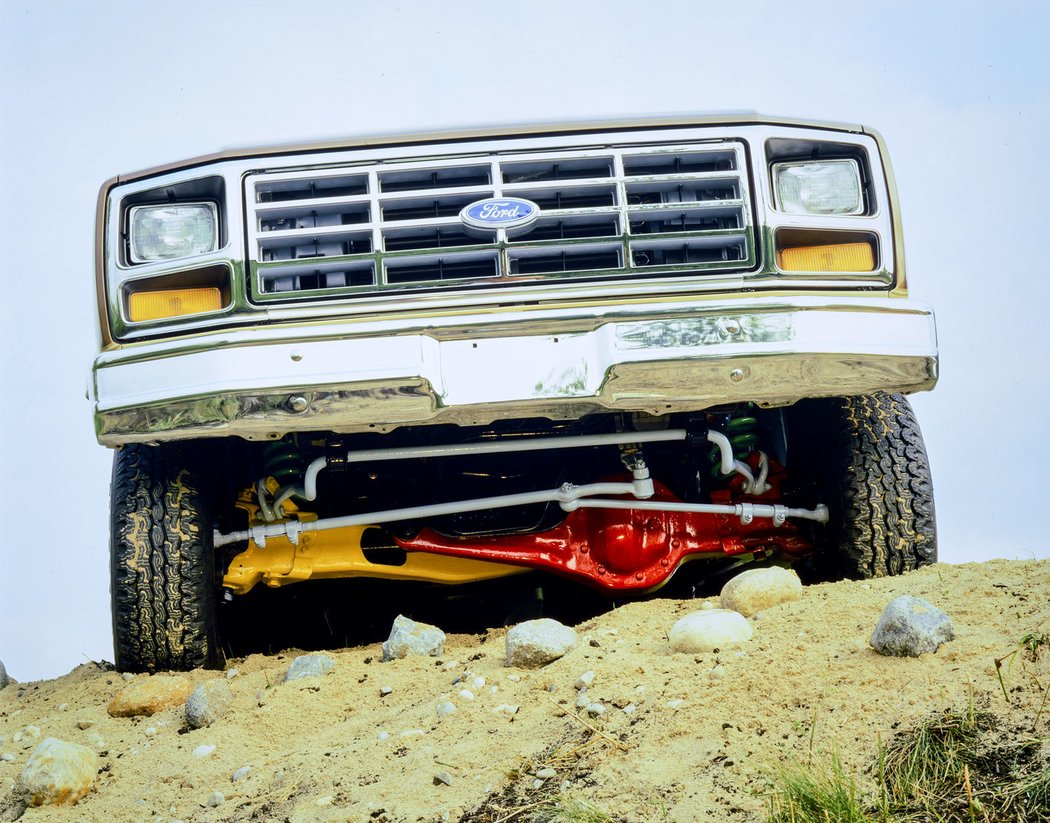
(630, 549)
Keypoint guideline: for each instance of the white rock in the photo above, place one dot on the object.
(535, 643)
(547, 773)
(911, 626)
(203, 750)
(513, 678)
(757, 589)
(240, 774)
(449, 665)
(63, 707)
(150, 731)
(674, 704)
(412, 733)
(385, 690)
(477, 683)
(7, 757)
(466, 694)
(59, 773)
(443, 778)
(232, 673)
(595, 709)
(506, 708)
(309, 665)
(710, 630)
(210, 701)
(583, 700)
(493, 689)
(407, 637)
(445, 708)
(630, 708)
(717, 673)
(383, 736)
(215, 799)
(585, 680)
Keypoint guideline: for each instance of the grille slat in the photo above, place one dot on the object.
(604, 213)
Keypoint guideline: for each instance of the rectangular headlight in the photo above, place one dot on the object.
(171, 231)
(818, 187)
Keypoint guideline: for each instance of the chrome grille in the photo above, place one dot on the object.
(641, 210)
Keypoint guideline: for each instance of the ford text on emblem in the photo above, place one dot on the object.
(500, 213)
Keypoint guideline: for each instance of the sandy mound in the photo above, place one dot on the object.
(682, 737)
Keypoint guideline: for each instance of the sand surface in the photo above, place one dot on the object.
(698, 741)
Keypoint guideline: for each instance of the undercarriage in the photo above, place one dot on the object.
(617, 502)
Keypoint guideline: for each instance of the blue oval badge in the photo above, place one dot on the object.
(500, 213)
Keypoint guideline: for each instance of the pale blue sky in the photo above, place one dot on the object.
(961, 92)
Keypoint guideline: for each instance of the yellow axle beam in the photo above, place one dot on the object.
(337, 553)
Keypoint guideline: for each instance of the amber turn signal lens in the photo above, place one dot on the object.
(157, 305)
(839, 257)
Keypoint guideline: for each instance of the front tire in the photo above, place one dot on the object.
(163, 583)
(866, 458)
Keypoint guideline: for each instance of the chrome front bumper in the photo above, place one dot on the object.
(263, 382)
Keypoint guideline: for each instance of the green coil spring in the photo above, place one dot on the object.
(281, 461)
(742, 430)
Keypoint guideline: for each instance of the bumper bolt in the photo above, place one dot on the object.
(298, 403)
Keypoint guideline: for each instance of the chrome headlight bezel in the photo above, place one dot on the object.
(781, 174)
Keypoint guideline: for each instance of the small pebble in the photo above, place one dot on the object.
(717, 673)
(127, 676)
(84, 725)
(537, 783)
(583, 700)
(215, 799)
(150, 731)
(232, 673)
(383, 736)
(326, 800)
(493, 689)
(240, 774)
(7, 757)
(442, 778)
(450, 665)
(63, 707)
(513, 678)
(506, 708)
(445, 708)
(707, 605)
(546, 773)
(630, 708)
(674, 704)
(466, 694)
(385, 690)
(203, 750)
(478, 682)
(412, 733)
(595, 709)
(585, 680)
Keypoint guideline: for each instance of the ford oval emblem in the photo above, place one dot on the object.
(500, 213)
